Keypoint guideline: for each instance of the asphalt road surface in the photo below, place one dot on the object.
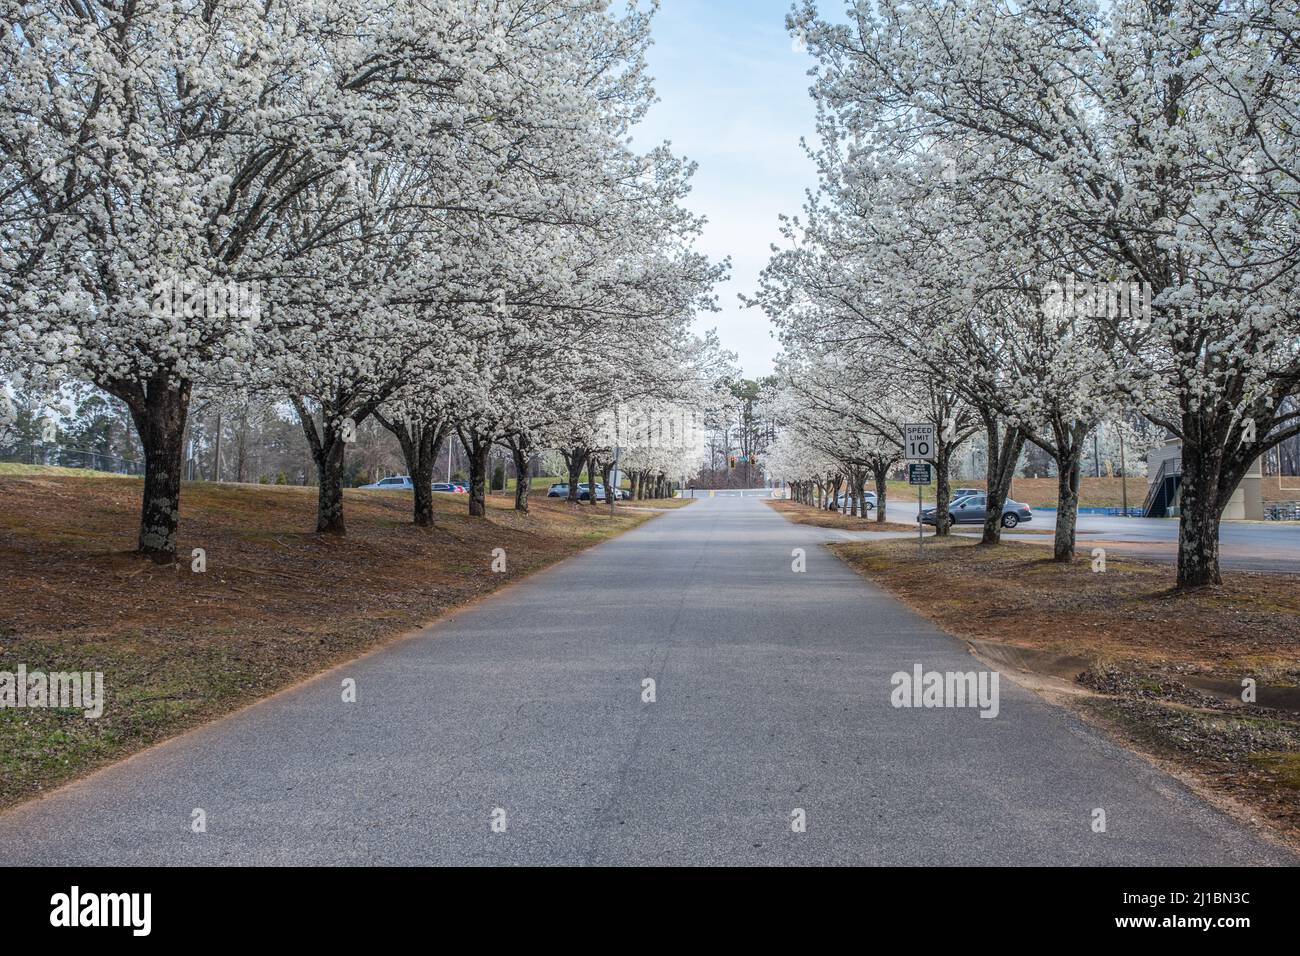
(772, 695)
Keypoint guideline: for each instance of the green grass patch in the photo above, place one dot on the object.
(1285, 767)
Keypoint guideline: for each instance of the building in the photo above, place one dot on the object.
(1164, 486)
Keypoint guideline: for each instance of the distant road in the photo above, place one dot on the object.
(1244, 545)
(771, 703)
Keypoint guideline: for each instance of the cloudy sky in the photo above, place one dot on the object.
(734, 98)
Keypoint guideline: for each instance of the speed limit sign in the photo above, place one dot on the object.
(918, 442)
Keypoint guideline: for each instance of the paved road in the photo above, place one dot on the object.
(772, 694)
(1244, 545)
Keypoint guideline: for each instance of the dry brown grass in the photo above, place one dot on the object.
(656, 504)
(821, 518)
(1132, 611)
(277, 602)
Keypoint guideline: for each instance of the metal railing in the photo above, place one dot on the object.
(1282, 511)
(64, 456)
(1170, 469)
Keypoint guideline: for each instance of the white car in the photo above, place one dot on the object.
(844, 501)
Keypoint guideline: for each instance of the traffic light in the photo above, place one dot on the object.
(733, 462)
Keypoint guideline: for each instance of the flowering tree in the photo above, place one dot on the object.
(1158, 144)
(178, 145)
(397, 198)
(148, 169)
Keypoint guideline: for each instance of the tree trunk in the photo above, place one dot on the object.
(881, 476)
(523, 481)
(1067, 504)
(591, 480)
(422, 479)
(1003, 454)
(241, 447)
(942, 487)
(573, 459)
(159, 410)
(329, 497)
(1199, 512)
(421, 443)
(478, 449)
(326, 449)
(606, 475)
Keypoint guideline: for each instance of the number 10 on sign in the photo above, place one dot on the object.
(918, 442)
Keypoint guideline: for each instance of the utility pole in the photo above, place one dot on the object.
(920, 526)
(611, 494)
(216, 451)
(1123, 473)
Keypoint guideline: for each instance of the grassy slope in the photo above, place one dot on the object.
(18, 469)
(1035, 492)
(822, 518)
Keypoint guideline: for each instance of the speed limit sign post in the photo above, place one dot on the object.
(919, 446)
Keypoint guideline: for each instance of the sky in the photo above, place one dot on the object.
(734, 98)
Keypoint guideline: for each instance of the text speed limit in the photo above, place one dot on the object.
(918, 442)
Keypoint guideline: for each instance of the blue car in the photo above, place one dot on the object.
(396, 483)
(971, 510)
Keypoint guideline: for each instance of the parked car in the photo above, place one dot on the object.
(395, 483)
(964, 493)
(584, 493)
(449, 487)
(844, 501)
(559, 490)
(971, 510)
